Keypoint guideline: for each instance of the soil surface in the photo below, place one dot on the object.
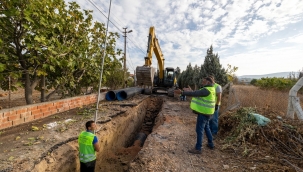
(165, 149)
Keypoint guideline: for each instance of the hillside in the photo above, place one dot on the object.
(271, 75)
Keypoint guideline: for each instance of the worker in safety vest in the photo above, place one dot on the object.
(88, 146)
(214, 122)
(203, 104)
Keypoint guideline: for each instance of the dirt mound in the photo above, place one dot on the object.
(278, 145)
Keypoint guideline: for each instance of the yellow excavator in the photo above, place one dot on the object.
(147, 76)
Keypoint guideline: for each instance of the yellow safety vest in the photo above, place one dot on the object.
(205, 105)
(86, 149)
(216, 85)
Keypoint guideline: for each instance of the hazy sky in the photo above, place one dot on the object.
(259, 37)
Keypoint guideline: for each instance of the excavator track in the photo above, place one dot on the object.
(145, 76)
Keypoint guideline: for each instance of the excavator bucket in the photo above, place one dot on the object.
(145, 75)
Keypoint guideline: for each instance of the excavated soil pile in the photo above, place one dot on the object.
(278, 145)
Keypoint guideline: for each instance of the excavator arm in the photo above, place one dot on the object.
(154, 47)
(145, 73)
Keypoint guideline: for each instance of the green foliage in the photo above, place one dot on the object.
(253, 81)
(130, 82)
(48, 39)
(192, 76)
(188, 76)
(115, 78)
(231, 72)
(241, 126)
(245, 122)
(212, 66)
(275, 83)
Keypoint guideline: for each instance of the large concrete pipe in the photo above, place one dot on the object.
(127, 93)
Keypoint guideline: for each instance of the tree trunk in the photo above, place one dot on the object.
(42, 86)
(27, 89)
(52, 93)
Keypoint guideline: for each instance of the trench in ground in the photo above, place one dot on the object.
(129, 135)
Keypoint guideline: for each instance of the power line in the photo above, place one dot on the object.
(114, 24)
(137, 46)
(103, 14)
(129, 57)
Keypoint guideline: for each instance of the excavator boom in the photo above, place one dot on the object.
(145, 74)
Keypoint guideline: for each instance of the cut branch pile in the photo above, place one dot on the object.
(278, 145)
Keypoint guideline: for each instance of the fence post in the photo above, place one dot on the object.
(9, 91)
(294, 101)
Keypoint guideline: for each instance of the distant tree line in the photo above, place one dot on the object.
(282, 84)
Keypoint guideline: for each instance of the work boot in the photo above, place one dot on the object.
(211, 147)
(195, 151)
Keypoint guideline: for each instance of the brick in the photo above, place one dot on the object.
(52, 108)
(6, 124)
(86, 103)
(29, 118)
(18, 121)
(59, 106)
(54, 111)
(32, 108)
(25, 114)
(5, 119)
(38, 116)
(72, 106)
(44, 109)
(9, 113)
(61, 109)
(66, 108)
(13, 117)
(41, 106)
(35, 112)
(19, 111)
(47, 113)
(66, 105)
(59, 103)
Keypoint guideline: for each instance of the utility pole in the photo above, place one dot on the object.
(124, 60)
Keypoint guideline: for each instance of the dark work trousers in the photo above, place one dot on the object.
(88, 167)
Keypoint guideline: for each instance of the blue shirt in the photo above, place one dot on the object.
(95, 138)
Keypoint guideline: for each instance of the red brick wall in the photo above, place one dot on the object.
(18, 115)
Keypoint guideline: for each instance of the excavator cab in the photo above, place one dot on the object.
(169, 77)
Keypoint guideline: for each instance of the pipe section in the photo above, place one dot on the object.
(141, 137)
(112, 95)
(127, 93)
